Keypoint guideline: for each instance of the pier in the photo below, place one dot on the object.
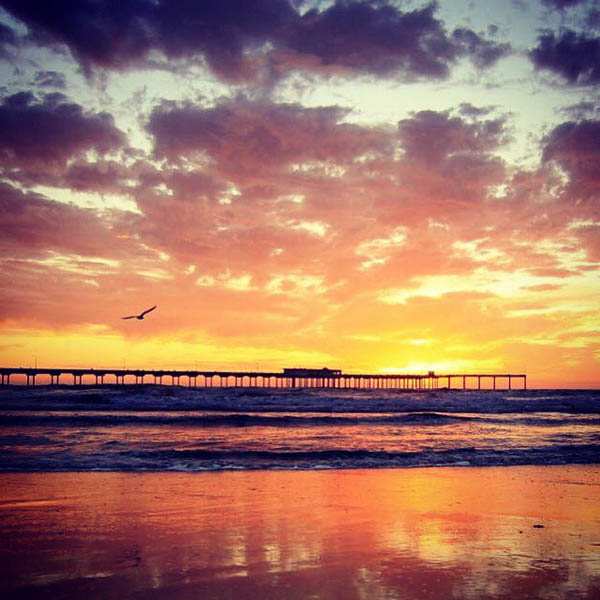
(287, 378)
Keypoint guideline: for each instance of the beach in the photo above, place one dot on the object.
(299, 300)
(449, 532)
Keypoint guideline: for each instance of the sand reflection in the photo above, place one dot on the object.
(415, 533)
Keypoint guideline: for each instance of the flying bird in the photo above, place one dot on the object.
(141, 316)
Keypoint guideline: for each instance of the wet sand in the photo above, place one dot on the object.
(508, 532)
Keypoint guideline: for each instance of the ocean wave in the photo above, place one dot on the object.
(221, 460)
(61, 419)
(156, 398)
(240, 420)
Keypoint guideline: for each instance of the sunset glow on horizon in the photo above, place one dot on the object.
(373, 186)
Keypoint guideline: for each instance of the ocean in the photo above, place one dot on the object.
(154, 428)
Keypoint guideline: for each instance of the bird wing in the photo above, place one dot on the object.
(147, 311)
(131, 317)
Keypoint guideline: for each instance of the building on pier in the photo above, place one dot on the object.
(301, 372)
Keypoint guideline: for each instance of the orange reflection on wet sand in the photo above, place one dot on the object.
(402, 533)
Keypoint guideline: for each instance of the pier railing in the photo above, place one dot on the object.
(260, 379)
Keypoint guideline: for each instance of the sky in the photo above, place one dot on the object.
(375, 185)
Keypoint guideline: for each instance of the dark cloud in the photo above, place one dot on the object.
(102, 176)
(376, 38)
(52, 130)
(572, 55)
(99, 175)
(562, 4)
(245, 137)
(469, 110)
(52, 79)
(117, 34)
(575, 146)
(431, 136)
(593, 19)
(221, 31)
(103, 33)
(236, 37)
(483, 53)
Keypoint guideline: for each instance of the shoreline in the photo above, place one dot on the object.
(316, 469)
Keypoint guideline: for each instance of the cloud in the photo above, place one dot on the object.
(8, 42)
(223, 32)
(366, 225)
(574, 56)
(100, 176)
(103, 33)
(50, 131)
(483, 53)
(440, 149)
(432, 136)
(562, 4)
(375, 38)
(52, 79)
(32, 226)
(575, 146)
(300, 251)
(118, 35)
(239, 38)
(247, 138)
(581, 109)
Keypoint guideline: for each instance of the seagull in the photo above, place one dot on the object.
(141, 316)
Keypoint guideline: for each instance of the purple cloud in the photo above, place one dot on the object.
(573, 56)
(576, 147)
(483, 53)
(236, 37)
(246, 137)
(376, 38)
(116, 35)
(562, 4)
(52, 130)
(432, 137)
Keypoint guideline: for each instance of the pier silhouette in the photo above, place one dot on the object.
(287, 378)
